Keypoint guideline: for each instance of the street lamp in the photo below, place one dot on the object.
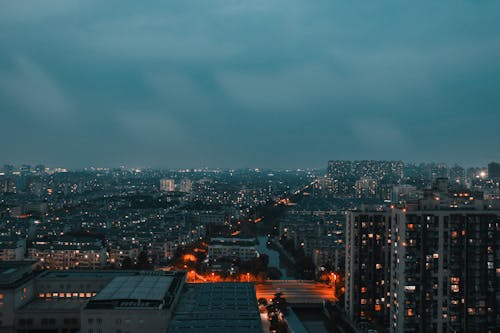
(334, 278)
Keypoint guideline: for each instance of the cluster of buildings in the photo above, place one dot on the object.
(363, 179)
(99, 218)
(387, 180)
(98, 301)
(421, 252)
(319, 233)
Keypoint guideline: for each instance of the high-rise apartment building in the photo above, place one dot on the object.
(445, 267)
(442, 257)
(367, 259)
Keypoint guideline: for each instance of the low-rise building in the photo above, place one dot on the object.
(12, 248)
(17, 288)
(243, 248)
(135, 303)
(86, 301)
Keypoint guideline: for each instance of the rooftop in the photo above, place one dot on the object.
(59, 305)
(153, 291)
(143, 288)
(217, 307)
(15, 273)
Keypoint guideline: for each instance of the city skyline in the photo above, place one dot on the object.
(257, 168)
(248, 84)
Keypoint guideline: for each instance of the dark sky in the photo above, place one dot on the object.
(248, 83)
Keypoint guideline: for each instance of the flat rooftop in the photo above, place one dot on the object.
(15, 273)
(153, 291)
(143, 288)
(218, 308)
(53, 305)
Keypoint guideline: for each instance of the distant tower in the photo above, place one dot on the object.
(186, 185)
(167, 185)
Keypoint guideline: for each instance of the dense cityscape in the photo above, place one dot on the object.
(379, 246)
(249, 166)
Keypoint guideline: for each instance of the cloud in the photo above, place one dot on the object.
(179, 93)
(280, 90)
(32, 89)
(326, 77)
(379, 135)
(35, 10)
(153, 36)
(150, 126)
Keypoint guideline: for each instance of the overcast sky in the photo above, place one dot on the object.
(248, 83)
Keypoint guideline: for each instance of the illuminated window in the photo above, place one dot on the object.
(378, 307)
(81, 295)
(75, 294)
(410, 312)
(68, 295)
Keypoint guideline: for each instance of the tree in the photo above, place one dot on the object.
(143, 262)
(127, 263)
(274, 273)
(280, 303)
(264, 259)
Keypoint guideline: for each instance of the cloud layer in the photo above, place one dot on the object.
(236, 83)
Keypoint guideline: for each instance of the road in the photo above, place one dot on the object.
(296, 292)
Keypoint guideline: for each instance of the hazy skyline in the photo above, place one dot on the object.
(278, 84)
